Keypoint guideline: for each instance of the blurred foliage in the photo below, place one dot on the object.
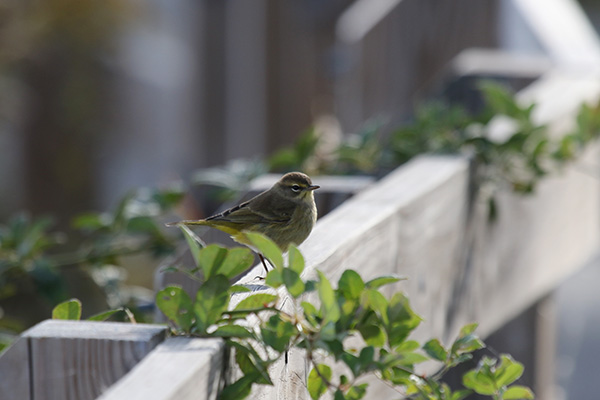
(34, 256)
(508, 148)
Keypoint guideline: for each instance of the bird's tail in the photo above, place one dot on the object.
(188, 222)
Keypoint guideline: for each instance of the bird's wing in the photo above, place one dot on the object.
(258, 210)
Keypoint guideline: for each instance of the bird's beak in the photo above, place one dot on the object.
(313, 187)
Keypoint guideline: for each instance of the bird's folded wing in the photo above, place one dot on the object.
(247, 215)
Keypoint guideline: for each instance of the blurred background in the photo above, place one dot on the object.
(101, 96)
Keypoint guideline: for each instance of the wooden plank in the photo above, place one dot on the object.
(572, 41)
(14, 372)
(79, 360)
(178, 369)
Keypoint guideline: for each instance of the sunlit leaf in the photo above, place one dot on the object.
(176, 304)
(70, 310)
(316, 385)
(267, 248)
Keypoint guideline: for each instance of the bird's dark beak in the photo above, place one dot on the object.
(312, 187)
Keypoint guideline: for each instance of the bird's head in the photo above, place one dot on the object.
(296, 186)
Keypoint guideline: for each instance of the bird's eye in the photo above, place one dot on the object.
(296, 188)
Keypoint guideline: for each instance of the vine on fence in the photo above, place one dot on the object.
(353, 325)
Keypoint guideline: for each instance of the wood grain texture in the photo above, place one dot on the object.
(14, 372)
(78, 360)
(178, 369)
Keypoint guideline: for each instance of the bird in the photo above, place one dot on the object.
(286, 213)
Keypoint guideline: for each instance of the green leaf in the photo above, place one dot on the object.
(239, 289)
(277, 333)
(143, 224)
(274, 278)
(103, 316)
(292, 282)
(357, 392)
(266, 247)
(518, 392)
(310, 312)
(210, 260)
(366, 357)
(175, 303)
(238, 260)
(329, 306)
(371, 298)
(91, 221)
(256, 301)
(231, 330)
(468, 329)
(211, 301)
(70, 309)
(373, 335)
(401, 319)
(194, 246)
(351, 284)
(508, 371)
(316, 385)
(244, 361)
(352, 362)
(479, 382)
(381, 281)
(435, 350)
(460, 394)
(295, 260)
(239, 389)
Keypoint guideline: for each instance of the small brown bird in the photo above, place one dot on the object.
(286, 214)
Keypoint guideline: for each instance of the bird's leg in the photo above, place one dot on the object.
(264, 263)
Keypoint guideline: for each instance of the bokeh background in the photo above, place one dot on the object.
(101, 96)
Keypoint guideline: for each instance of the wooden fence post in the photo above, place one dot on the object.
(73, 360)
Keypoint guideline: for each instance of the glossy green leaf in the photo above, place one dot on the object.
(435, 350)
(210, 260)
(248, 366)
(239, 289)
(266, 247)
(211, 301)
(479, 382)
(351, 284)
(329, 306)
(256, 301)
(381, 281)
(316, 385)
(231, 330)
(239, 389)
(68, 310)
(517, 393)
(277, 333)
(175, 303)
(508, 371)
(366, 357)
(373, 299)
(357, 392)
(292, 282)
(237, 260)
(468, 329)
(373, 335)
(274, 278)
(295, 260)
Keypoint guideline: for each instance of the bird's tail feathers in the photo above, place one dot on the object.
(187, 222)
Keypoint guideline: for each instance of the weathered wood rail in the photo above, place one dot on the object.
(422, 221)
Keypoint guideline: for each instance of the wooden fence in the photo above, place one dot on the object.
(420, 221)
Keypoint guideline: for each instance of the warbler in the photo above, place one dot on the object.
(286, 214)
